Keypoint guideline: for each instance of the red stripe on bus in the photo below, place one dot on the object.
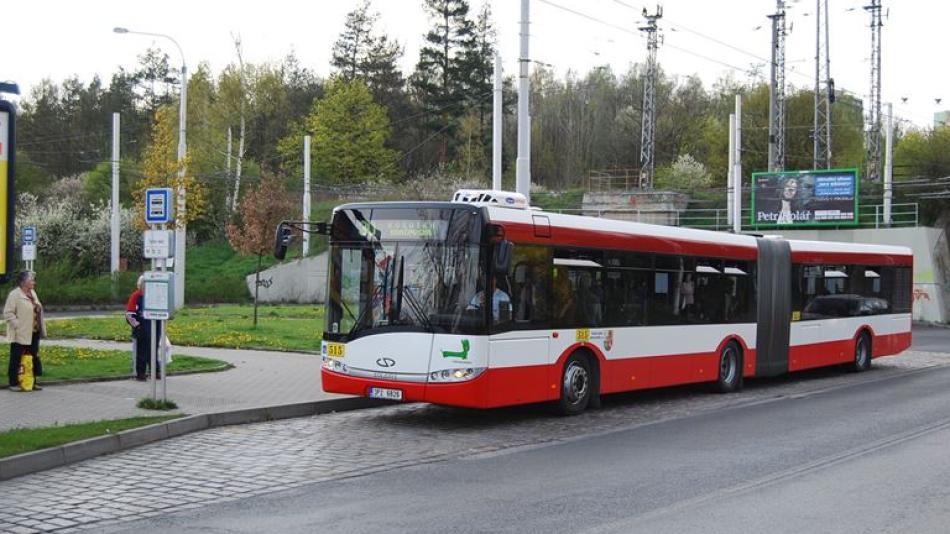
(524, 233)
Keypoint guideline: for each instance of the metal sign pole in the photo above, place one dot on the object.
(151, 340)
(159, 243)
(152, 358)
(161, 342)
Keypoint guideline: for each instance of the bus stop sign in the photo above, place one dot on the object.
(158, 205)
(29, 235)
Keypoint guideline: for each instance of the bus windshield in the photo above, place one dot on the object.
(404, 269)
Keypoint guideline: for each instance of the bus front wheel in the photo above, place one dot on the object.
(730, 369)
(577, 382)
(862, 353)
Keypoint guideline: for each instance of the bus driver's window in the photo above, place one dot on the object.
(500, 301)
(529, 286)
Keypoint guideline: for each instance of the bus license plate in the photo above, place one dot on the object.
(385, 393)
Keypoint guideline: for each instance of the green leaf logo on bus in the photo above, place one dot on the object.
(462, 355)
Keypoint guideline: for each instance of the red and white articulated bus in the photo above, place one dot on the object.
(484, 302)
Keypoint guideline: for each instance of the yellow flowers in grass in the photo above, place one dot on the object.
(53, 355)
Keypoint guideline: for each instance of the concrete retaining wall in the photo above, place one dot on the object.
(302, 281)
(653, 207)
(931, 261)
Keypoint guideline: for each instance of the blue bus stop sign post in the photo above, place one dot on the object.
(158, 205)
(28, 249)
(159, 284)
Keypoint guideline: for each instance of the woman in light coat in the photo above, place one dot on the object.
(23, 313)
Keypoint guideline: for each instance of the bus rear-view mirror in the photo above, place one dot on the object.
(282, 241)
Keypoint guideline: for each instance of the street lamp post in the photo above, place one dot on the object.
(180, 191)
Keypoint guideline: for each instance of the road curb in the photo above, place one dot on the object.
(41, 460)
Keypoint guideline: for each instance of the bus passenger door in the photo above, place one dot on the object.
(519, 342)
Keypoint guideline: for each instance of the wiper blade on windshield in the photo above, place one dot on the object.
(359, 320)
(413, 303)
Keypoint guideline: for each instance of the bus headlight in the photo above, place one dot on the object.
(334, 364)
(461, 374)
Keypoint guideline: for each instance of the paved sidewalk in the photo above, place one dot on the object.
(259, 378)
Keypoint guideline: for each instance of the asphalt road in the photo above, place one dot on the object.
(931, 338)
(869, 456)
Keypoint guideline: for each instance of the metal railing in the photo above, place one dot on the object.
(600, 181)
(869, 216)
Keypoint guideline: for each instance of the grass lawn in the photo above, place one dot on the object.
(20, 440)
(284, 327)
(69, 363)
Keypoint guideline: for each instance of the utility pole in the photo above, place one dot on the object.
(889, 164)
(730, 178)
(824, 88)
(496, 124)
(227, 171)
(114, 249)
(306, 193)
(648, 126)
(737, 171)
(523, 168)
(874, 112)
(777, 91)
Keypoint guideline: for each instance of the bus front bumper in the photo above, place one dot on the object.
(470, 394)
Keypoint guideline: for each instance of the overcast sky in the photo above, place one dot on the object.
(56, 39)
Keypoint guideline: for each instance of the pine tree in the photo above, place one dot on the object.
(381, 71)
(440, 79)
(361, 53)
(350, 52)
(478, 65)
(476, 68)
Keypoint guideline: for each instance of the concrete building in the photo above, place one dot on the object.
(941, 118)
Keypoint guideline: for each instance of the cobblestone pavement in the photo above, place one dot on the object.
(238, 462)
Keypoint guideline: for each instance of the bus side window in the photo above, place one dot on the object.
(578, 292)
(665, 302)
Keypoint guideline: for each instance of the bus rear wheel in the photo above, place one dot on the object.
(862, 353)
(730, 369)
(577, 382)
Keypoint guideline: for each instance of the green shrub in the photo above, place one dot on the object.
(58, 285)
(215, 274)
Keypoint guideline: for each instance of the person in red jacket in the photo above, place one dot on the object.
(141, 331)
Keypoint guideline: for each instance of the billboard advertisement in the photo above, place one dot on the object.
(805, 198)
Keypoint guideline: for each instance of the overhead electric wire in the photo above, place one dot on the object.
(809, 77)
(703, 35)
(590, 18)
(632, 32)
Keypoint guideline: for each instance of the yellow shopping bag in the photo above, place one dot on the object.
(25, 377)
